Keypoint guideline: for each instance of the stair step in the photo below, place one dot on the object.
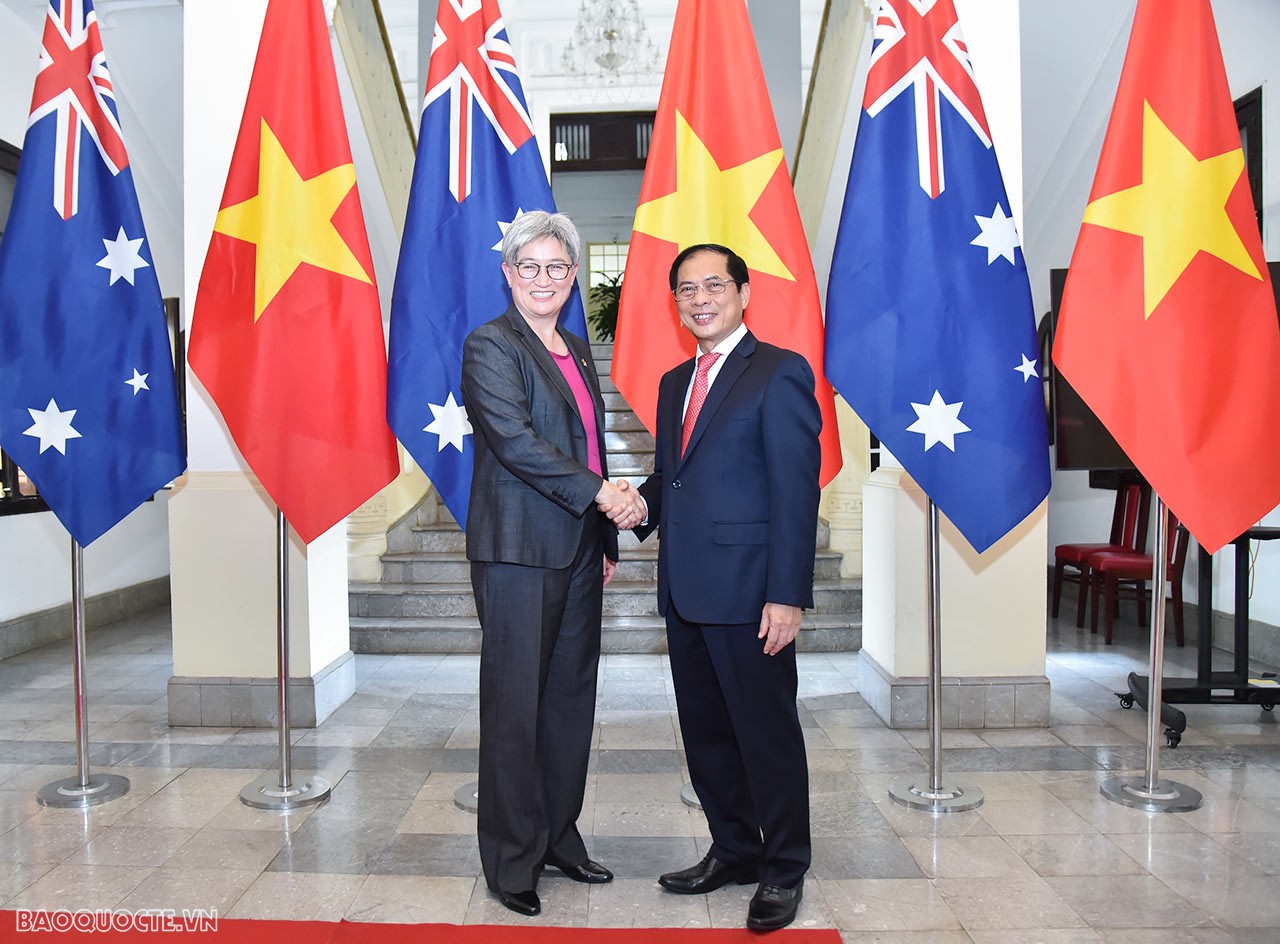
(622, 421)
(639, 562)
(623, 598)
(628, 442)
(621, 634)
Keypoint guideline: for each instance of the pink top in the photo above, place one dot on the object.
(586, 407)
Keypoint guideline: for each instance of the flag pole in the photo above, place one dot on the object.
(1149, 792)
(83, 789)
(277, 791)
(936, 797)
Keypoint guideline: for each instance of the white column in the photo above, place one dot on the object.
(222, 525)
(776, 25)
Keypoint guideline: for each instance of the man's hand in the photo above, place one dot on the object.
(779, 625)
(609, 567)
(621, 503)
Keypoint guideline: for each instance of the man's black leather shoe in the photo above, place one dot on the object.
(707, 876)
(593, 873)
(773, 907)
(525, 903)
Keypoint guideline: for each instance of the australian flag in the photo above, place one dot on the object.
(478, 168)
(88, 407)
(930, 330)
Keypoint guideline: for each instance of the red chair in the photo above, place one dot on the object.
(1128, 533)
(1114, 574)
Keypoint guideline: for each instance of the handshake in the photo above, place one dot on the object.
(621, 503)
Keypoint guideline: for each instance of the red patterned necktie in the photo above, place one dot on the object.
(700, 385)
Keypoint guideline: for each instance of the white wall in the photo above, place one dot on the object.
(37, 571)
(1071, 59)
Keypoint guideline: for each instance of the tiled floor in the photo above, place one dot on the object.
(1046, 858)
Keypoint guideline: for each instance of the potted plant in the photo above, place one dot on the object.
(604, 297)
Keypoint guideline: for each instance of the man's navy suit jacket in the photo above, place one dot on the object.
(739, 513)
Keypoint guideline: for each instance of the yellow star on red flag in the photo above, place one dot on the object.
(715, 202)
(1179, 209)
(290, 220)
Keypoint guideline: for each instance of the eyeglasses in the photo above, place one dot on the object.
(688, 291)
(556, 270)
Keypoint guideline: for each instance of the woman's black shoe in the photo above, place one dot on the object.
(525, 903)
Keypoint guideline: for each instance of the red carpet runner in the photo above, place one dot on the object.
(105, 927)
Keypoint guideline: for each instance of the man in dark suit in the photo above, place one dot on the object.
(735, 494)
(540, 552)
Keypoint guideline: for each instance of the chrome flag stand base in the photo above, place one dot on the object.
(83, 789)
(937, 797)
(946, 798)
(467, 797)
(1167, 797)
(277, 791)
(71, 793)
(1150, 793)
(690, 796)
(266, 793)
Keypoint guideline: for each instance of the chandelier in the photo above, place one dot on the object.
(610, 46)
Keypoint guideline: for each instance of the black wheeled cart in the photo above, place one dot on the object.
(1209, 687)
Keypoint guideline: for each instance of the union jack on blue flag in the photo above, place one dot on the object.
(930, 330)
(478, 168)
(88, 407)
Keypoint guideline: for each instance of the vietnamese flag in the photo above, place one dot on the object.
(716, 173)
(287, 332)
(1168, 325)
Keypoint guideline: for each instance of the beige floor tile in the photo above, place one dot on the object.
(1003, 903)
(1261, 850)
(908, 822)
(951, 738)
(967, 857)
(642, 788)
(236, 815)
(1179, 936)
(224, 782)
(1050, 936)
(132, 845)
(1248, 782)
(1113, 818)
(1232, 815)
(1032, 817)
(413, 899)
(1003, 785)
(906, 937)
(641, 903)
(341, 735)
(436, 816)
(80, 888)
(863, 738)
(1170, 855)
(1090, 854)
(42, 840)
(895, 904)
(229, 849)
(174, 806)
(190, 890)
(1020, 737)
(648, 819)
(1237, 899)
(297, 896)
(16, 876)
(1117, 901)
